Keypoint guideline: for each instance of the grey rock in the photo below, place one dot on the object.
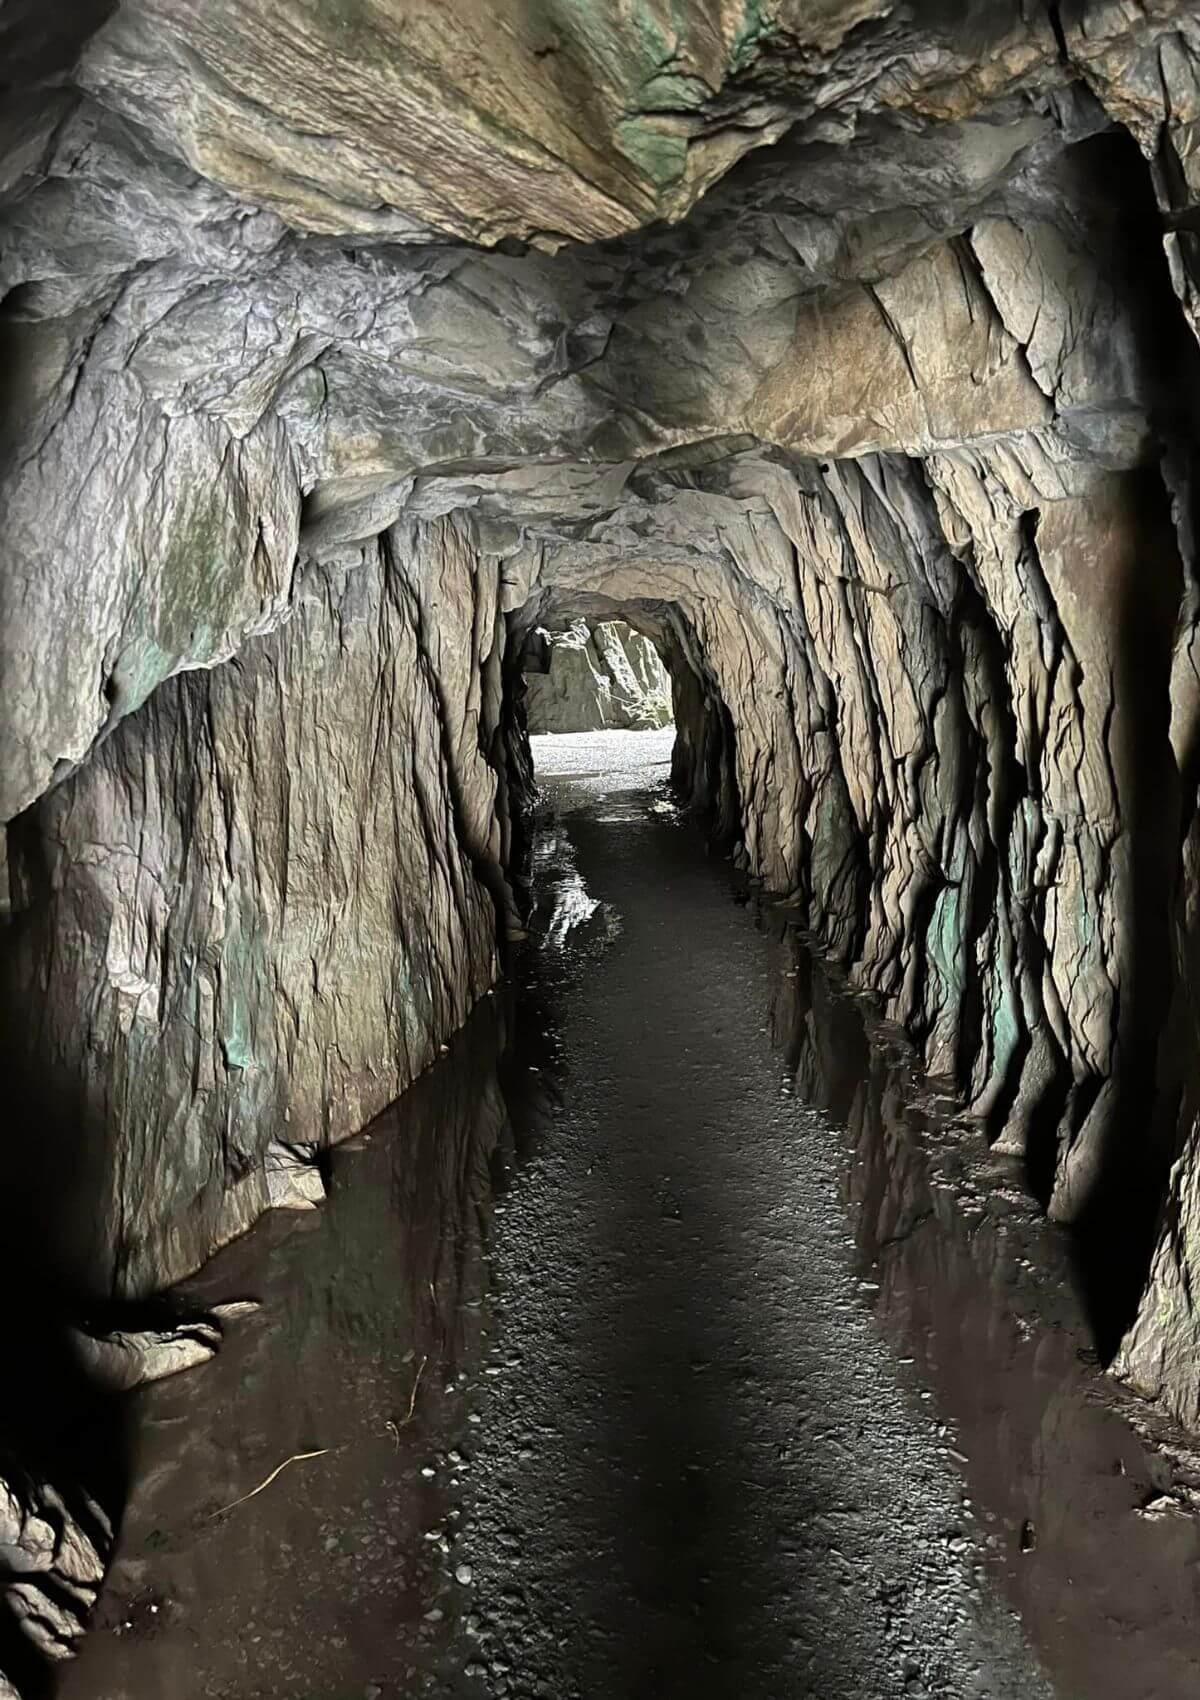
(127, 1358)
(600, 676)
(272, 884)
(848, 355)
(293, 1177)
(52, 1561)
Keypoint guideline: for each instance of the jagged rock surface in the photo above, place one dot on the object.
(126, 1358)
(293, 1176)
(265, 885)
(888, 440)
(52, 1561)
(595, 677)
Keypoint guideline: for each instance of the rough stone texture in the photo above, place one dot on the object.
(129, 1358)
(578, 122)
(324, 392)
(1160, 1354)
(253, 915)
(52, 1561)
(597, 677)
(293, 1176)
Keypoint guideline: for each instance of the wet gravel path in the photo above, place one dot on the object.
(656, 1343)
(698, 1471)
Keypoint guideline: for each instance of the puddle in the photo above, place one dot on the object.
(375, 1312)
(572, 908)
(562, 901)
(976, 1292)
(563, 909)
(340, 1577)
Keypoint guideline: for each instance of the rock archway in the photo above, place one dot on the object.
(848, 350)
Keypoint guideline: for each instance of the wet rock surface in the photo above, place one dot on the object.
(847, 353)
(126, 1358)
(267, 901)
(53, 1557)
(848, 350)
(692, 1357)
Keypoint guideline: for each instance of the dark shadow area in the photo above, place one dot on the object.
(997, 789)
(1116, 1231)
(489, 869)
(703, 762)
(975, 1290)
(40, 43)
(691, 1508)
(656, 1450)
(367, 1351)
(684, 1543)
(57, 1428)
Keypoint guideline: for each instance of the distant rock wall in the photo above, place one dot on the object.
(598, 677)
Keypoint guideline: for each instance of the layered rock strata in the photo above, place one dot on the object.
(847, 351)
(258, 910)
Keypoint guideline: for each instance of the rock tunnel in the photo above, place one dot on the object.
(847, 350)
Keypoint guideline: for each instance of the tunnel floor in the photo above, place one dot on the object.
(662, 1341)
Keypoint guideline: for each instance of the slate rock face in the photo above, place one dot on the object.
(52, 1561)
(846, 352)
(599, 676)
(265, 886)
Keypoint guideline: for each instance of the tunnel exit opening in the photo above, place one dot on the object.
(634, 671)
(601, 677)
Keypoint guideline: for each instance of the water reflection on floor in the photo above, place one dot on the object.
(370, 1332)
(975, 1289)
(342, 1577)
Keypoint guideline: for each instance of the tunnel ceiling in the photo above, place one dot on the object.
(234, 268)
(859, 337)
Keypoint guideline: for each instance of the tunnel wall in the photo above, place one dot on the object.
(898, 420)
(257, 912)
(935, 698)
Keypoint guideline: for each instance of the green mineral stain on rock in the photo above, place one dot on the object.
(1087, 924)
(243, 965)
(351, 20)
(234, 1045)
(656, 49)
(751, 31)
(671, 91)
(199, 585)
(658, 153)
(141, 666)
(1006, 1030)
(945, 937)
